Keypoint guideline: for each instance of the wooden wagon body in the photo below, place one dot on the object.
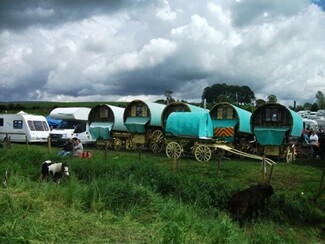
(231, 124)
(276, 129)
(142, 119)
(189, 133)
(106, 126)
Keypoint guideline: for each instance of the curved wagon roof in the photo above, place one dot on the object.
(139, 114)
(225, 114)
(103, 119)
(273, 121)
(189, 125)
(180, 107)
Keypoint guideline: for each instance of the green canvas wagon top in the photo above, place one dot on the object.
(189, 125)
(272, 123)
(139, 116)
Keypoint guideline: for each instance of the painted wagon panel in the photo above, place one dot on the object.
(189, 124)
(273, 123)
(228, 119)
(139, 116)
(105, 118)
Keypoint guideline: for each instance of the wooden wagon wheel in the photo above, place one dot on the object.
(288, 155)
(242, 145)
(117, 144)
(157, 141)
(129, 145)
(294, 152)
(173, 148)
(202, 153)
(100, 143)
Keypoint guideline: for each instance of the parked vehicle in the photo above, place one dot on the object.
(310, 124)
(22, 127)
(74, 124)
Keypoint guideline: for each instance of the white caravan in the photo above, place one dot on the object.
(74, 124)
(22, 126)
(310, 124)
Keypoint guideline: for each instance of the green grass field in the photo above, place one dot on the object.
(127, 197)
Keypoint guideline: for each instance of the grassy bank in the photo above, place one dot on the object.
(125, 198)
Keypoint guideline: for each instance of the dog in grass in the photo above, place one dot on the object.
(243, 204)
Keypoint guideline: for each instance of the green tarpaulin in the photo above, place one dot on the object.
(270, 136)
(136, 124)
(189, 124)
(100, 130)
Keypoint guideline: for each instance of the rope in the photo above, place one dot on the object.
(244, 154)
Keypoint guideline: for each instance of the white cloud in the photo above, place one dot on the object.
(139, 51)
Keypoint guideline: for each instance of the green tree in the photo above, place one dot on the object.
(272, 98)
(314, 107)
(307, 106)
(260, 102)
(221, 92)
(320, 100)
(168, 94)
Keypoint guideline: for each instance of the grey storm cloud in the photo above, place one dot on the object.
(123, 50)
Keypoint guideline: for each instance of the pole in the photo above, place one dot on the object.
(263, 170)
(174, 162)
(271, 171)
(49, 145)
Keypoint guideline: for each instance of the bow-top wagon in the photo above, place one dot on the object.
(106, 126)
(276, 129)
(142, 119)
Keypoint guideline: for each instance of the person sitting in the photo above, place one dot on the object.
(314, 142)
(78, 148)
(66, 150)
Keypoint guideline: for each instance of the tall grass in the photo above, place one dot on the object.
(122, 199)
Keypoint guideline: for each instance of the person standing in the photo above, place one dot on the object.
(313, 138)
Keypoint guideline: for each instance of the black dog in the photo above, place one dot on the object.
(248, 201)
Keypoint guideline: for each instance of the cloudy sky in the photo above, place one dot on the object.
(121, 50)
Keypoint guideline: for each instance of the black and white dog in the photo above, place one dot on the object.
(54, 170)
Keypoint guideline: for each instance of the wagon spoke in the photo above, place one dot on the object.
(173, 148)
(202, 153)
(157, 141)
(117, 144)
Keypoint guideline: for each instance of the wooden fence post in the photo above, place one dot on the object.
(263, 170)
(175, 167)
(49, 145)
(271, 171)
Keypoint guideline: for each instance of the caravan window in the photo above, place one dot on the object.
(31, 125)
(45, 126)
(68, 124)
(1, 121)
(18, 124)
(81, 127)
(37, 125)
